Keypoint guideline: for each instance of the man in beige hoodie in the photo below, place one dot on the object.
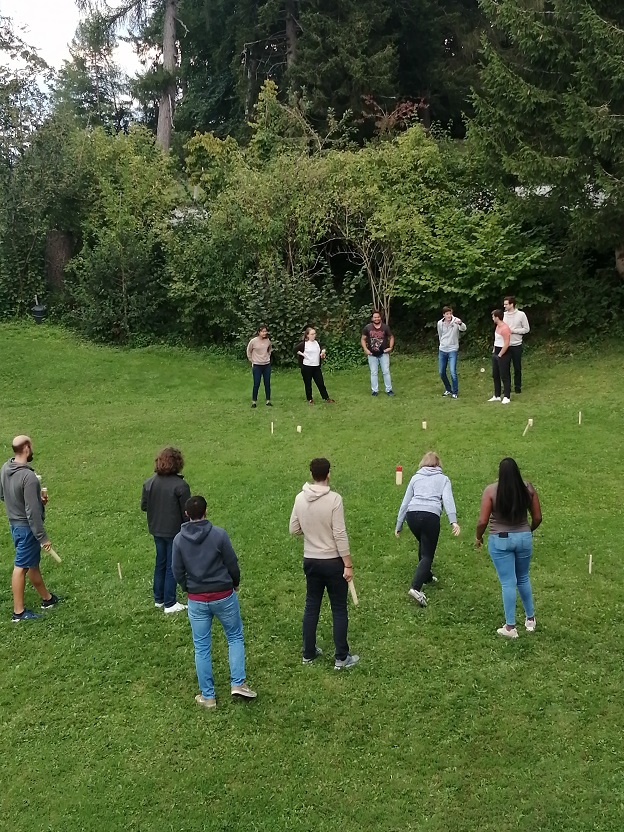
(318, 515)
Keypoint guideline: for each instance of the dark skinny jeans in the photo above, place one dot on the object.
(425, 526)
(261, 371)
(501, 372)
(516, 360)
(324, 575)
(309, 373)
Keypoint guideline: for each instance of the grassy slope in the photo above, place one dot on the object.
(443, 726)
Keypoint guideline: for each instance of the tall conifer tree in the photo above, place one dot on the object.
(550, 115)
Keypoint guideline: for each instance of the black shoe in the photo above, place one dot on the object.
(310, 401)
(518, 392)
(390, 393)
(253, 404)
(51, 602)
(268, 404)
(330, 401)
(374, 394)
(25, 615)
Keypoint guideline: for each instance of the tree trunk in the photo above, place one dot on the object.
(58, 253)
(619, 260)
(291, 33)
(166, 107)
(252, 83)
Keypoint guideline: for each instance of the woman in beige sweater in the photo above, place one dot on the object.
(259, 353)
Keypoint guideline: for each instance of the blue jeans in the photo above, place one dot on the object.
(164, 582)
(200, 614)
(375, 362)
(261, 371)
(512, 558)
(450, 359)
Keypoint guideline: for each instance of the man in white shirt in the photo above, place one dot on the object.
(518, 323)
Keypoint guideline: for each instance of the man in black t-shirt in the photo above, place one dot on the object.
(378, 342)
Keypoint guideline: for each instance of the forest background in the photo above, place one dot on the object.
(291, 162)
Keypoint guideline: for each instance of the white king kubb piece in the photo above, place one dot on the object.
(399, 475)
(298, 428)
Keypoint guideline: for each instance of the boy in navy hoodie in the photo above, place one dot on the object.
(205, 565)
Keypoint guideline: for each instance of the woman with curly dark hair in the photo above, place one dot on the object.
(163, 498)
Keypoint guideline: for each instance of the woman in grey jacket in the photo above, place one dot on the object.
(429, 491)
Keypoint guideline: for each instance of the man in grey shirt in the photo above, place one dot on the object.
(21, 493)
(449, 328)
(518, 323)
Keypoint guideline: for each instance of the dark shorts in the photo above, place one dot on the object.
(27, 547)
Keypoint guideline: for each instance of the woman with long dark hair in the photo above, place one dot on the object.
(428, 492)
(310, 355)
(505, 506)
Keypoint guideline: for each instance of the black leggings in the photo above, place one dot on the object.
(425, 526)
(309, 373)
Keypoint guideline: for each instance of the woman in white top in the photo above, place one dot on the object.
(310, 355)
(501, 359)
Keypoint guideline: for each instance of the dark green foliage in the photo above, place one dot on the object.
(551, 112)
(206, 278)
(286, 303)
(116, 285)
(90, 87)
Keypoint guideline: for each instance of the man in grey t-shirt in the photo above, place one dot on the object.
(21, 494)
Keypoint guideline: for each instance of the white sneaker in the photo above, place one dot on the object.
(177, 607)
(503, 631)
(530, 624)
(418, 596)
(158, 605)
(495, 399)
(345, 664)
(506, 400)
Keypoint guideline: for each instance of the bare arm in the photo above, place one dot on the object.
(364, 343)
(485, 511)
(535, 509)
(391, 346)
(506, 334)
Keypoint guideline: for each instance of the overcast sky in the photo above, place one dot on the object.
(49, 25)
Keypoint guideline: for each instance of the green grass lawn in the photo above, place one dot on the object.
(442, 726)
